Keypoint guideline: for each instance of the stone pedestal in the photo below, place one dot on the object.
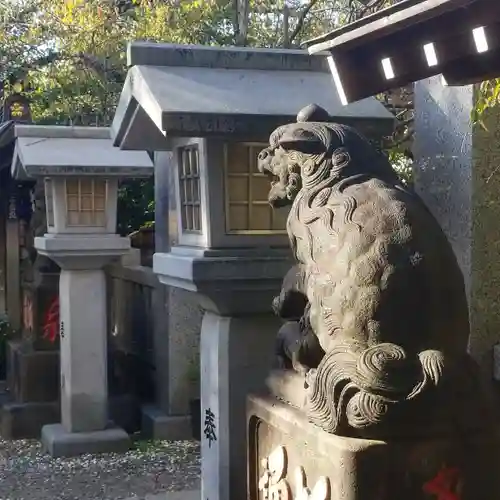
(287, 455)
(32, 376)
(235, 288)
(236, 353)
(457, 175)
(85, 426)
(33, 382)
(84, 391)
(33, 360)
(178, 318)
(177, 334)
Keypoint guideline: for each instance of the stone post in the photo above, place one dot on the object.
(456, 173)
(83, 344)
(237, 337)
(84, 395)
(177, 325)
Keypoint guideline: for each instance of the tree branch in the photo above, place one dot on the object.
(301, 20)
(242, 13)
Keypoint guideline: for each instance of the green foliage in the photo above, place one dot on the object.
(487, 97)
(6, 334)
(72, 53)
(6, 330)
(402, 165)
(135, 205)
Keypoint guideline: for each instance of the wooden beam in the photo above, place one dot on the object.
(360, 69)
(473, 70)
(386, 50)
(13, 268)
(474, 67)
(395, 19)
(3, 245)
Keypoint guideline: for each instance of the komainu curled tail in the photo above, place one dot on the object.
(354, 389)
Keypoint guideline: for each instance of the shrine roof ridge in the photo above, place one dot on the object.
(384, 22)
(243, 58)
(62, 132)
(62, 150)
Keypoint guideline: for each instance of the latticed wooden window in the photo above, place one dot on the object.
(246, 190)
(86, 202)
(49, 201)
(189, 187)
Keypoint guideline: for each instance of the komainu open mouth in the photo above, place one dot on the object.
(277, 195)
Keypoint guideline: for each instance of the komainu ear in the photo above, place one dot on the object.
(302, 138)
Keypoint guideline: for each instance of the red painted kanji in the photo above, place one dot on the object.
(445, 486)
(51, 323)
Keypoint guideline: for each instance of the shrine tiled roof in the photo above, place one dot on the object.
(197, 91)
(411, 41)
(6, 144)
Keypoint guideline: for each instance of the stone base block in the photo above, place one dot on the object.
(125, 411)
(287, 454)
(25, 420)
(32, 376)
(60, 443)
(173, 495)
(158, 425)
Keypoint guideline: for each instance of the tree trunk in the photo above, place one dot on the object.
(242, 12)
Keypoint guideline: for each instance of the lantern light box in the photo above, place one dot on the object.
(81, 197)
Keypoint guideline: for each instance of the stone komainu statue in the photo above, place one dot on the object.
(384, 294)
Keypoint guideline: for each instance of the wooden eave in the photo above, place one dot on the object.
(400, 33)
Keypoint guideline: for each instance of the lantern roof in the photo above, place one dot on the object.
(198, 91)
(6, 144)
(410, 41)
(42, 151)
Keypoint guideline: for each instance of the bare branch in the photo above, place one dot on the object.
(406, 137)
(301, 19)
(242, 8)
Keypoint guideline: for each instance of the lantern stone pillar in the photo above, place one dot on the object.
(83, 331)
(237, 339)
(456, 174)
(81, 173)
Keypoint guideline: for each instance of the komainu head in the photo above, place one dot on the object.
(307, 154)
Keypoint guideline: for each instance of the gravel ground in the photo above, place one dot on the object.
(150, 467)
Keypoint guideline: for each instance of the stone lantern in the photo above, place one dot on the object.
(80, 170)
(207, 112)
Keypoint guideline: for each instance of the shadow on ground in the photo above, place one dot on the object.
(150, 467)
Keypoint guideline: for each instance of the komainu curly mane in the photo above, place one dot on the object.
(386, 295)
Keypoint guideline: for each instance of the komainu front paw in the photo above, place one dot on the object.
(298, 366)
(310, 378)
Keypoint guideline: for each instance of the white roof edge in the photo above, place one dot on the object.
(37, 155)
(62, 132)
(143, 90)
(163, 95)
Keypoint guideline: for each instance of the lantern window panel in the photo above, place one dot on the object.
(86, 202)
(49, 202)
(190, 189)
(246, 193)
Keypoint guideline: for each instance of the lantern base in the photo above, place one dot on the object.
(81, 252)
(58, 442)
(26, 420)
